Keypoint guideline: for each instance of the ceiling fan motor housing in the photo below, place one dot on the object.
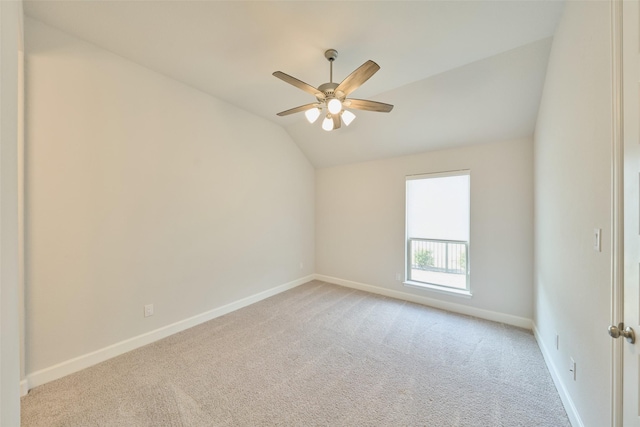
(329, 90)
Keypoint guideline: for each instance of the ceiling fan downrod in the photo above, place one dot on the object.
(331, 56)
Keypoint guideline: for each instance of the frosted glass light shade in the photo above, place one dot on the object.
(327, 123)
(334, 106)
(312, 114)
(347, 117)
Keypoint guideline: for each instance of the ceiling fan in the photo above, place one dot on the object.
(332, 97)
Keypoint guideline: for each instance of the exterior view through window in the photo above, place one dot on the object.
(437, 225)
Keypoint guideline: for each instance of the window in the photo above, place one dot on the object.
(437, 231)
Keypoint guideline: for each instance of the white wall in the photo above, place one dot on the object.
(360, 223)
(10, 44)
(142, 190)
(572, 197)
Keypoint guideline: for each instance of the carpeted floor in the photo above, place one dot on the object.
(316, 355)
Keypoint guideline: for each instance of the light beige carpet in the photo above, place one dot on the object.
(317, 355)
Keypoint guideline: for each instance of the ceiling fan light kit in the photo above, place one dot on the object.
(332, 97)
(347, 117)
(312, 114)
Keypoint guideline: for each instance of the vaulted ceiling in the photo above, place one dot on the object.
(458, 72)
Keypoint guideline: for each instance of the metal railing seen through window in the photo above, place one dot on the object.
(438, 262)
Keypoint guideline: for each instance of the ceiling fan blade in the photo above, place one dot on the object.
(358, 77)
(299, 84)
(297, 109)
(336, 121)
(363, 104)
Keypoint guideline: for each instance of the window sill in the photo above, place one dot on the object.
(441, 289)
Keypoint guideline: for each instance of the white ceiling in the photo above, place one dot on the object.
(458, 72)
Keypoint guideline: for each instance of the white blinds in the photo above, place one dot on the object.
(438, 206)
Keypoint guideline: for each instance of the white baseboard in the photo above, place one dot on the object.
(509, 319)
(24, 387)
(569, 406)
(60, 370)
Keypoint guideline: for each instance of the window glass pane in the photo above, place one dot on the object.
(438, 211)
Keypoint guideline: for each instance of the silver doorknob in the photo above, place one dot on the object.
(620, 330)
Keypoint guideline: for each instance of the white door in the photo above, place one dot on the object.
(631, 135)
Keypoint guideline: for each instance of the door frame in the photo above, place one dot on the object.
(617, 209)
(12, 36)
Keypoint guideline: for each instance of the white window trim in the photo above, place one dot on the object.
(437, 288)
(460, 172)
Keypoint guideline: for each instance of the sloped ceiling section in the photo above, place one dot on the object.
(458, 72)
(491, 100)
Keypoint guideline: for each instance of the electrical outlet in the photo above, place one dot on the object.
(572, 367)
(398, 277)
(301, 265)
(148, 310)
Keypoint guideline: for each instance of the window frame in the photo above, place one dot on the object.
(407, 274)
